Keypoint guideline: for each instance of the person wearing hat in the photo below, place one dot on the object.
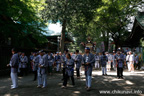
(88, 62)
(14, 68)
(78, 60)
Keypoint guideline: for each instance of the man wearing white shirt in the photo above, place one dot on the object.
(131, 61)
(127, 61)
(109, 61)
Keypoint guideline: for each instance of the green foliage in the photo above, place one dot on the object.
(111, 20)
(21, 21)
(78, 13)
(103, 20)
(74, 15)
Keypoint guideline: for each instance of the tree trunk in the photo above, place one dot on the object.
(107, 42)
(116, 46)
(62, 44)
(116, 43)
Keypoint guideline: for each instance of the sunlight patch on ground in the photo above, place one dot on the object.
(59, 83)
(11, 95)
(116, 79)
(2, 79)
(82, 79)
(76, 92)
(7, 95)
(3, 87)
(100, 73)
(141, 94)
(108, 77)
(141, 72)
(105, 80)
(114, 73)
(20, 77)
(129, 82)
(93, 77)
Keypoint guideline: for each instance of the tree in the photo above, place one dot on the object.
(20, 21)
(103, 20)
(112, 19)
(71, 14)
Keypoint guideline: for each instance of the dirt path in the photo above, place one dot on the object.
(27, 87)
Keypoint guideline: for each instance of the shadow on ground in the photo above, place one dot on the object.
(27, 87)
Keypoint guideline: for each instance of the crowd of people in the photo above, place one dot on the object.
(42, 64)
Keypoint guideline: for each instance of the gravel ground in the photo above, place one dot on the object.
(132, 82)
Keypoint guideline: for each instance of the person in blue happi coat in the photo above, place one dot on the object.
(88, 62)
(120, 64)
(97, 61)
(57, 61)
(69, 70)
(30, 61)
(103, 62)
(19, 55)
(42, 70)
(14, 68)
(50, 62)
(35, 63)
(78, 60)
(39, 77)
(23, 64)
(63, 62)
